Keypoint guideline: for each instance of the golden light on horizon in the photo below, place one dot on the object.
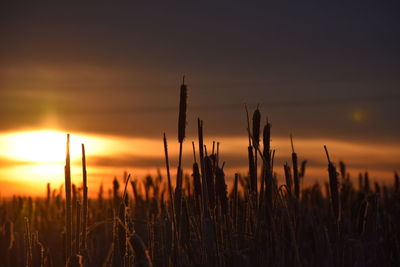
(36, 157)
(35, 146)
(30, 159)
(44, 146)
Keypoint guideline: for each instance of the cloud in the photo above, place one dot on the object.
(116, 69)
(125, 161)
(6, 162)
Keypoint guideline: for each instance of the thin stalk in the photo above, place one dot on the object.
(85, 200)
(295, 171)
(202, 167)
(68, 213)
(78, 227)
(171, 194)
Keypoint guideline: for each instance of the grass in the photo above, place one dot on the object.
(203, 222)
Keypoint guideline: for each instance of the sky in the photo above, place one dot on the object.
(319, 71)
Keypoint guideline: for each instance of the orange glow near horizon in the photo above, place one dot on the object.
(31, 159)
(45, 146)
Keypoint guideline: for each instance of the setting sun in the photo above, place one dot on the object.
(34, 157)
(44, 146)
(35, 146)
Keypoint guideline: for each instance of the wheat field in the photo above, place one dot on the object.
(199, 219)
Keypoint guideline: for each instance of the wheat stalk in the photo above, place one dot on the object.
(85, 200)
(68, 207)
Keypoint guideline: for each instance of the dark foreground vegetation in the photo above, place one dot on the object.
(254, 222)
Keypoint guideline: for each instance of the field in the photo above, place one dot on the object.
(196, 219)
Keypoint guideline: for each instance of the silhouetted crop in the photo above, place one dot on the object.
(207, 220)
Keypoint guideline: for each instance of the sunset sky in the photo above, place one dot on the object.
(109, 74)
